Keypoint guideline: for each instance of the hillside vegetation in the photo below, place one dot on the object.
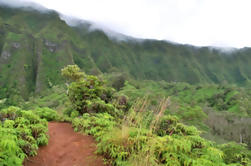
(146, 102)
(141, 134)
(222, 112)
(22, 132)
(128, 127)
(34, 47)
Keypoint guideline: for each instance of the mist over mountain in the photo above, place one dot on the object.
(127, 93)
(34, 46)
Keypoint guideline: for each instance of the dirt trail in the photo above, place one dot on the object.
(66, 148)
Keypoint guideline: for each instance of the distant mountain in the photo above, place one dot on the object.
(35, 45)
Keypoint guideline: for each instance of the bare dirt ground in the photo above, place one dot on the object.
(66, 148)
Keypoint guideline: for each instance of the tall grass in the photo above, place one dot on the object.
(145, 136)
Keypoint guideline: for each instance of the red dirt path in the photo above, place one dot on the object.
(66, 148)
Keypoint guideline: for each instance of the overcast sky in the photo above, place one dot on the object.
(224, 23)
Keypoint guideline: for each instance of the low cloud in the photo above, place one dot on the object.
(70, 20)
(193, 22)
(23, 4)
(225, 50)
(92, 26)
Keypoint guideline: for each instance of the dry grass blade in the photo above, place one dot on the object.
(140, 106)
(164, 103)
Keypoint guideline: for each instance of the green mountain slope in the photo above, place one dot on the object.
(34, 47)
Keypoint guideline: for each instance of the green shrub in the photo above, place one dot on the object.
(47, 113)
(145, 135)
(88, 94)
(21, 132)
(169, 125)
(74, 114)
(236, 153)
(94, 124)
(11, 153)
(128, 142)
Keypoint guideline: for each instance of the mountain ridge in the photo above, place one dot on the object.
(35, 46)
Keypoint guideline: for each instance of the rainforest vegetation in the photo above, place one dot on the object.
(22, 132)
(145, 102)
(129, 124)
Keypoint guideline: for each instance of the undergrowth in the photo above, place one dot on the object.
(140, 140)
(143, 134)
(21, 133)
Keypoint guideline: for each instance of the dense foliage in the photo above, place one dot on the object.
(220, 97)
(54, 98)
(48, 114)
(34, 46)
(88, 94)
(235, 153)
(222, 112)
(21, 133)
(139, 139)
(145, 134)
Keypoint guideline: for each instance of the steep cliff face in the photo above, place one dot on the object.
(31, 64)
(30, 61)
(34, 47)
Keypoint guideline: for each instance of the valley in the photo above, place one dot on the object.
(87, 97)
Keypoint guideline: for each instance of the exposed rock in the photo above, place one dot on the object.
(5, 55)
(51, 49)
(16, 45)
(50, 45)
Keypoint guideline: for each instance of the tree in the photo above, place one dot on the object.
(72, 73)
(88, 93)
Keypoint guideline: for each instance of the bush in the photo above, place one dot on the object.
(168, 125)
(21, 132)
(47, 113)
(236, 153)
(132, 141)
(88, 94)
(94, 124)
(144, 136)
(74, 114)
